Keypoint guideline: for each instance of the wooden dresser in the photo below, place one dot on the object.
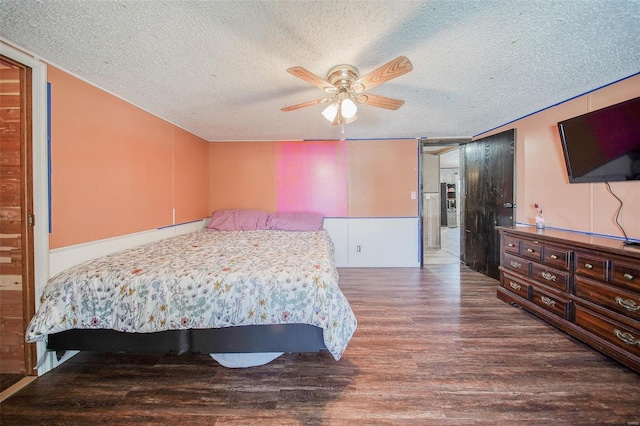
(589, 287)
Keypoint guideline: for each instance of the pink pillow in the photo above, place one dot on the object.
(247, 220)
(296, 221)
(238, 220)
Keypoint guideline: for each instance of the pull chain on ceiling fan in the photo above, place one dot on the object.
(348, 89)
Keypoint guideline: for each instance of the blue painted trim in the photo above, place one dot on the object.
(49, 153)
(372, 217)
(362, 139)
(381, 139)
(556, 104)
(592, 234)
(420, 206)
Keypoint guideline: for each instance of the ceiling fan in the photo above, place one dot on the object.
(347, 89)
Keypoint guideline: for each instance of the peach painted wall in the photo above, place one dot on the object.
(542, 177)
(112, 165)
(380, 176)
(191, 177)
(241, 176)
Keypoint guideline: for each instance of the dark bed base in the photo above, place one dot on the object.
(241, 339)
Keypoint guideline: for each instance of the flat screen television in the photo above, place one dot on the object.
(603, 145)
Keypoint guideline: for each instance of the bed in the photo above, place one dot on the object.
(261, 292)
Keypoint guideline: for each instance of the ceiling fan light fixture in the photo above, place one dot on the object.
(351, 119)
(349, 108)
(347, 86)
(331, 111)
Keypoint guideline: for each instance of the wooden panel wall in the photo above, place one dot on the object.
(11, 239)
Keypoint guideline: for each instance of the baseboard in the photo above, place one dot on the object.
(16, 387)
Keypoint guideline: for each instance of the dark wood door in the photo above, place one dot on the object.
(488, 165)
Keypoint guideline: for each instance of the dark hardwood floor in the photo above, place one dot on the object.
(433, 346)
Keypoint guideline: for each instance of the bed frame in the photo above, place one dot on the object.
(239, 339)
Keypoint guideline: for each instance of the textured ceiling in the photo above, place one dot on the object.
(218, 68)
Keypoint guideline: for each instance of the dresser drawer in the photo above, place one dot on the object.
(624, 337)
(550, 302)
(626, 275)
(551, 277)
(531, 250)
(515, 285)
(587, 287)
(557, 257)
(624, 302)
(511, 244)
(592, 266)
(516, 264)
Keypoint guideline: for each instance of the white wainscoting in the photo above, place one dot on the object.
(338, 230)
(375, 242)
(66, 257)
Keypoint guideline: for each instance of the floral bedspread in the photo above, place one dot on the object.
(205, 279)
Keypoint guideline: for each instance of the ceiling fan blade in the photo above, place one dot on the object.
(304, 104)
(380, 101)
(399, 66)
(311, 78)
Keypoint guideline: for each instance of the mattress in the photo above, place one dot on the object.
(205, 279)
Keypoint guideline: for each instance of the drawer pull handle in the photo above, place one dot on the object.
(553, 256)
(516, 264)
(547, 301)
(548, 276)
(588, 266)
(626, 337)
(628, 276)
(510, 245)
(530, 250)
(628, 304)
(515, 286)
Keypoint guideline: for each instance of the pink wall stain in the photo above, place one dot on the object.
(312, 176)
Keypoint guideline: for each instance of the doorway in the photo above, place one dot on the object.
(440, 202)
(36, 140)
(484, 198)
(17, 303)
